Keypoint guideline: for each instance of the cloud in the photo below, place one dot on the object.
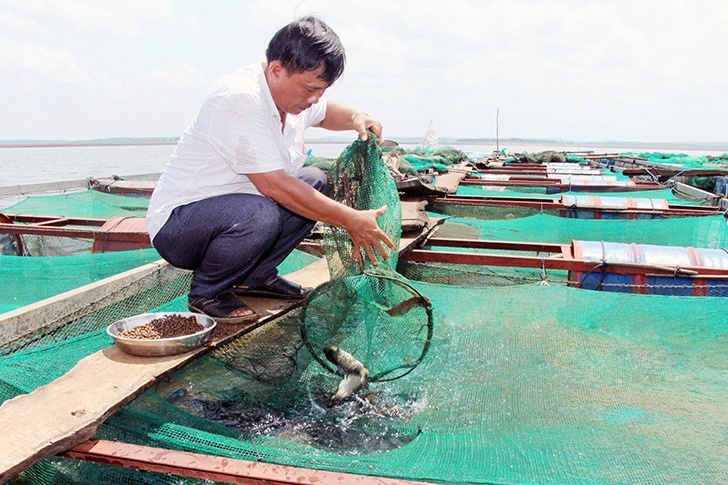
(563, 68)
(12, 22)
(181, 76)
(38, 60)
(128, 17)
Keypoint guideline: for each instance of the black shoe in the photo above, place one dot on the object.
(280, 288)
(222, 307)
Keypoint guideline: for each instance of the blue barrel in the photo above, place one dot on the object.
(585, 207)
(9, 244)
(649, 255)
(583, 183)
(721, 185)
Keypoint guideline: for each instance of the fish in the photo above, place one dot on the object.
(356, 376)
(407, 305)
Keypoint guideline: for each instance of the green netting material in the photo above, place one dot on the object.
(549, 385)
(27, 280)
(699, 232)
(376, 316)
(85, 203)
(521, 384)
(666, 194)
(360, 179)
(410, 161)
(422, 159)
(680, 234)
(685, 160)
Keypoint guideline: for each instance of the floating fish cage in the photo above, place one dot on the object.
(511, 370)
(594, 265)
(24, 235)
(567, 206)
(551, 360)
(683, 282)
(596, 207)
(554, 183)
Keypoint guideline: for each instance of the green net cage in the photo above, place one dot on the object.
(520, 382)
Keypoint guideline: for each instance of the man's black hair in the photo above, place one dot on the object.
(308, 44)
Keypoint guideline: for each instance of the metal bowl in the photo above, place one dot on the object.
(161, 346)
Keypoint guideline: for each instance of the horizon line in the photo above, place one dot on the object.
(162, 140)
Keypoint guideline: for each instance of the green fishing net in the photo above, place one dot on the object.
(360, 179)
(367, 310)
(382, 320)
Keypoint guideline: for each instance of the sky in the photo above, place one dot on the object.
(588, 70)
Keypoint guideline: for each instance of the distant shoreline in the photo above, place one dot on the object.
(58, 144)
(544, 143)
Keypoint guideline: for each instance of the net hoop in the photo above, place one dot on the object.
(390, 374)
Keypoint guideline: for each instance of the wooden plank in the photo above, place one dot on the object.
(64, 185)
(69, 410)
(117, 185)
(414, 215)
(696, 193)
(208, 467)
(51, 312)
(451, 180)
(558, 205)
(671, 172)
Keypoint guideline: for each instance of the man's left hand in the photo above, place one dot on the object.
(362, 122)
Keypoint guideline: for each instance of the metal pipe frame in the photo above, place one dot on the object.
(63, 227)
(555, 205)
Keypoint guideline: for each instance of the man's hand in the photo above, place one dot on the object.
(362, 122)
(366, 234)
(301, 198)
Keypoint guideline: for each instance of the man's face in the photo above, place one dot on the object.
(295, 92)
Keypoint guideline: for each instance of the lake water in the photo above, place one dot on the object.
(29, 165)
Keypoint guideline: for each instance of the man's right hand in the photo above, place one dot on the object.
(366, 234)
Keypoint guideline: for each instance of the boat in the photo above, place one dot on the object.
(574, 206)
(554, 183)
(118, 185)
(117, 233)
